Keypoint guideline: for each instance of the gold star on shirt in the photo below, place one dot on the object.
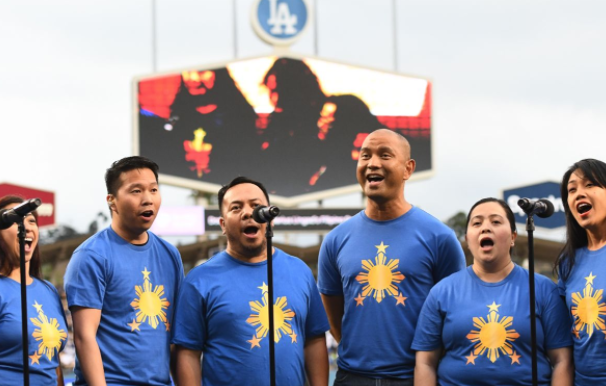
(471, 358)
(400, 299)
(254, 342)
(134, 325)
(515, 358)
(145, 274)
(359, 300)
(381, 248)
(590, 278)
(493, 307)
(293, 336)
(38, 307)
(35, 358)
(263, 288)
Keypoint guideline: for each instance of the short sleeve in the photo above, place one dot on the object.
(317, 322)
(329, 278)
(189, 329)
(555, 319)
(85, 280)
(428, 333)
(450, 259)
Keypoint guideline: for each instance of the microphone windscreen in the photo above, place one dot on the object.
(549, 209)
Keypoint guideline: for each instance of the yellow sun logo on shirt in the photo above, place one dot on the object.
(380, 277)
(493, 336)
(588, 309)
(48, 334)
(150, 304)
(260, 319)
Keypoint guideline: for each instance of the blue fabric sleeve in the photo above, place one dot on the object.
(428, 334)
(190, 318)
(317, 322)
(329, 277)
(555, 319)
(451, 258)
(85, 280)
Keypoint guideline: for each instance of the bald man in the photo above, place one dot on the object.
(376, 269)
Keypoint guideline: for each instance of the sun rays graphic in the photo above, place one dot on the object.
(260, 319)
(380, 278)
(150, 305)
(588, 309)
(493, 336)
(48, 334)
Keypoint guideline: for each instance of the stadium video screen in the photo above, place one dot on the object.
(294, 124)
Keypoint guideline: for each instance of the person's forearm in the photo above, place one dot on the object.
(334, 306)
(562, 374)
(189, 372)
(89, 357)
(316, 361)
(60, 381)
(425, 375)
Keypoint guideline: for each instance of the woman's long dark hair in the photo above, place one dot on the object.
(576, 236)
(8, 263)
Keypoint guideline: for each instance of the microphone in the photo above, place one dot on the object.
(542, 208)
(10, 216)
(263, 214)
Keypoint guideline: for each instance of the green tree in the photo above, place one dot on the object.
(458, 223)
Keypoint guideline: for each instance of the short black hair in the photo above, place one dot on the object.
(112, 175)
(238, 181)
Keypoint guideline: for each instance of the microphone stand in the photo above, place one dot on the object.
(24, 332)
(533, 322)
(270, 293)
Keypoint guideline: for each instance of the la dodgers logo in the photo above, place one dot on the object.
(280, 22)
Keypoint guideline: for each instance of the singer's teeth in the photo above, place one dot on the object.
(583, 208)
(29, 240)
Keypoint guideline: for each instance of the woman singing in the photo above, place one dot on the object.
(581, 267)
(47, 329)
(474, 328)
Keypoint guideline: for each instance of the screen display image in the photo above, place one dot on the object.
(295, 124)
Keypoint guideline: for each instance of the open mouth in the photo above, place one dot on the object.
(251, 230)
(147, 214)
(583, 208)
(29, 241)
(374, 178)
(486, 242)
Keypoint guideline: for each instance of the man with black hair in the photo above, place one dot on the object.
(121, 286)
(223, 307)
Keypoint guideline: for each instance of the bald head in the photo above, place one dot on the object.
(397, 140)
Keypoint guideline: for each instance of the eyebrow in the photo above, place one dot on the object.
(141, 184)
(490, 215)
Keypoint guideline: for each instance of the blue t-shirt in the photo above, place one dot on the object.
(47, 332)
(384, 270)
(485, 329)
(135, 287)
(584, 290)
(223, 313)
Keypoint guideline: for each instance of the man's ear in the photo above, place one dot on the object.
(410, 166)
(222, 223)
(111, 202)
